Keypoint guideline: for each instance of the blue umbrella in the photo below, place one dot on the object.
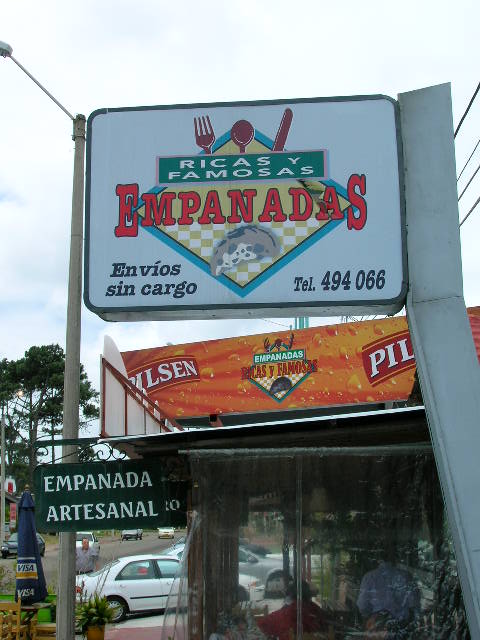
(30, 585)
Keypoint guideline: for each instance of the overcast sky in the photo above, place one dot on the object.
(112, 53)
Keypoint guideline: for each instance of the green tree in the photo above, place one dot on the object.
(31, 390)
(16, 452)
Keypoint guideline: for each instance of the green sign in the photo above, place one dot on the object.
(247, 167)
(279, 356)
(107, 495)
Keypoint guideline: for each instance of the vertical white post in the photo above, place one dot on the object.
(447, 363)
(66, 556)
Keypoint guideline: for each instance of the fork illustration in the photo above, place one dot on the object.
(204, 134)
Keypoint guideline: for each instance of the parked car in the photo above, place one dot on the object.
(166, 532)
(131, 584)
(268, 569)
(246, 556)
(257, 549)
(9, 548)
(92, 539)
(178, 542)
(249, 587)
(132, 534)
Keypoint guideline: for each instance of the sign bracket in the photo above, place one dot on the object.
(85, 452)
(40, 443)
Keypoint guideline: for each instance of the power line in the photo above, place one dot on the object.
(469, 182)
(470, 157)
(478, 200)
(467, 110)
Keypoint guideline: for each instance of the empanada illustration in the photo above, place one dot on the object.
(280, 385)
(244, 244)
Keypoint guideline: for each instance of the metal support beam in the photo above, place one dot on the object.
(66, 596)
(447, 362)
(66, 556)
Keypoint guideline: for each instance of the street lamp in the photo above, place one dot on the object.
(66, 563)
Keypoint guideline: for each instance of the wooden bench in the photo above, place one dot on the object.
(43, 630)
(12, 627)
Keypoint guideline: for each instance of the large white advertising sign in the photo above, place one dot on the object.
(247, 209)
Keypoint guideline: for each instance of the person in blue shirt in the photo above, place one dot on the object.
(389, 600)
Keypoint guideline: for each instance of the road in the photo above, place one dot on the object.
(110, 548)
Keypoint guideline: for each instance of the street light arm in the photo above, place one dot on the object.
(6, 52)
(42, 88)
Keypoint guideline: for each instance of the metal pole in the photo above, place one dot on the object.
(447, 362)
(66, 556)
(2, 480)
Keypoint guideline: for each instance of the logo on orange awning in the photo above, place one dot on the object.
(385, 358)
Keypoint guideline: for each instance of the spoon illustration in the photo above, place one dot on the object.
(242, 134)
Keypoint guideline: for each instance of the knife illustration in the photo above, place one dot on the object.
(283, 130)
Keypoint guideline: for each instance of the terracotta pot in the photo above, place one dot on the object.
(95, 633)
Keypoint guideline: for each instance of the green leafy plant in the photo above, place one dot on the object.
(52, 599)
(95, 612)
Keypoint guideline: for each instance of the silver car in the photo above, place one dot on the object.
(249, 587)
(132, 534)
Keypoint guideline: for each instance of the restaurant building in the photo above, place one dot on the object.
(308, 461)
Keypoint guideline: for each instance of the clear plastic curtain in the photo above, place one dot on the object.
(175, 619)
(320, 544)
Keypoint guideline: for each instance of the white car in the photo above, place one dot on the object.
(249, 587)
(92, 540)
(131, 584)
(166, 532)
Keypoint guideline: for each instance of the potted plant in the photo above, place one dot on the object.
(92, 617)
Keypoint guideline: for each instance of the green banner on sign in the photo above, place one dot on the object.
(107, 495)
(244, 168)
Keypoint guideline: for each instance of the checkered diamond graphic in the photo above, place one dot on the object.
(267, 383)
(198, 242)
